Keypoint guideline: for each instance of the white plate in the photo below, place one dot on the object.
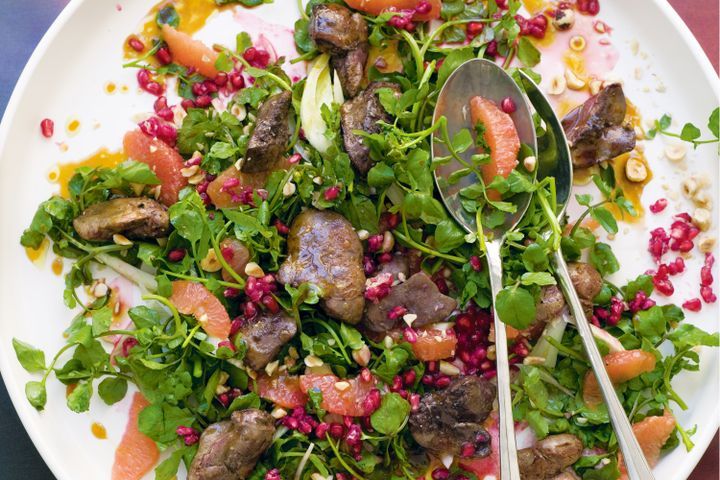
(65, 79)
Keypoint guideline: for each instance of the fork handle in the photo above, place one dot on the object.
(637, 466)
(509, 469)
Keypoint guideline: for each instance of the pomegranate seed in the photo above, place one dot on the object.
(176, 255)
(154, 88)
(237, 80)
(374, 243)
(321, 430)
(221, 79)
(663, 286)
(707, 295)
(410, 335)
(440, 474)
(507, 104)
(427, 380)
(136, 44)
(143, 77)
(475, 263)
(128, 344)
(409, 378)
(474, 29)
(164, 56)
(442, 381)
(331, 193)
(397, 312)
(692, 305)
(199, 88)
(659, 205)
(231, 292)
(281, 227)
(273, 474)
(385, 257)
(47, 127)
(368, 265)
(203, 101)
(467, 450)
(230, 183)
(249, 310)
(365, 375)
(270, 303)
(187, 104)
(423, 7)
(491, 49)
(226, 344)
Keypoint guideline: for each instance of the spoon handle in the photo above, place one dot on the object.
(637, 466)
(509, 469)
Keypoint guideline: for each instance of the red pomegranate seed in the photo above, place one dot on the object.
(659, 205)
(707, 295)
(423, 7)
(154, 88)
(281, 227)
(397, 312)
(203, 101)
(221, 79)
(331, 193)
(410, 335)
(440, 474)
(692, 305)
(143, 77)
(187, 104)
(164, 56)
(47, 127)
(475, 263)
(270, 303)
(442, 381)
(507, 104)
(663, 286)
(474, 29)
(176, 255)
(136, 44)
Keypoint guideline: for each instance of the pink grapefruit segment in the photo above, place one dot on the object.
(191, 298)
(501, 137)
(651, 433)
(283, 390)
(137, 454)
(190, 52)
(162, 159)
(621, 367)
(345, 401)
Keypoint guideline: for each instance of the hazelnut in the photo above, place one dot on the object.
(557, 85)
(635, 170)
(573, 81)
(701, 219)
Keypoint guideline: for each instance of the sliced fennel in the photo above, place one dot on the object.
(134, 274)
(544, 353)
(319, 90)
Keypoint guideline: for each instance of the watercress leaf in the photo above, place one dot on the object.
(112, 389)
(453, 60)
(249, 400)
(650, 324)
(351, 337)
(537, 278)
(583, 238)
(462, 140)
(32, 359)
(642, 283)
(687, 335)
(535, 259)
(101, 320)
(448, 236)
(584, 199)
(137, 172)
(159, 422)
(36, 394)
(187, 221)
(79, 399)
(381, 175)
(167, 470)
(515, 307)
(603, 259)
(527, 53)
(251, 95)
(392, 414)
(242, 42)
(689, 132)
(145, 317)
(537, 422)
(605, 219)
(713, 122)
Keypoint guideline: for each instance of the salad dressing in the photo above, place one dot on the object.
(98, 430)
(101, 158)
(37, 256)
(57, 266)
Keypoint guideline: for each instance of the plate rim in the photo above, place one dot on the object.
(17, 396)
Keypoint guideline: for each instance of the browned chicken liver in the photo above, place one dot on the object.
(343, 34)
(449, 419)
(595, 129)
(229, 450)
(419, 295)
(587, 282)
(550, 303)
(549, 457)
(362, 113)
(271, 135)
(133, 217)
(265, 336)
(324, 249)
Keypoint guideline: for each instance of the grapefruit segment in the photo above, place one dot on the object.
(162, 159)
(283, 390)
(343, 401)
(137, 454)
(433, 344)
(621, 367)
(224, 197)
(190, 52)
(501, 137)
(191, 298)
(237, 257)
(651, 433)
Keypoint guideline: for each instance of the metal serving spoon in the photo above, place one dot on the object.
(485, 78)
(557, 162)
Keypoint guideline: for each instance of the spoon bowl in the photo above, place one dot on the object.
(485, 78)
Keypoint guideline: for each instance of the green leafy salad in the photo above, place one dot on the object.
(309, 308)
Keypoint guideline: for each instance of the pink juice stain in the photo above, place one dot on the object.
(597, 60)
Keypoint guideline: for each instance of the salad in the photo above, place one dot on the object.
(305, 306)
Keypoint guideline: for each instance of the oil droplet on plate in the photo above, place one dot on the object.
(37, 255)
(54, 174)
(124, 89)
(101, 158)
(110, 88)
(98, 430)
(57, 266)
(73, 126)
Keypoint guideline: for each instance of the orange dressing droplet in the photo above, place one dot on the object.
(53, 174)
(37, 255)
(57, 266)
(124, 89)
(101, 158)
(98, 430)
(110, 88)
(73, 126)
(193, 15)
(70, 388)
